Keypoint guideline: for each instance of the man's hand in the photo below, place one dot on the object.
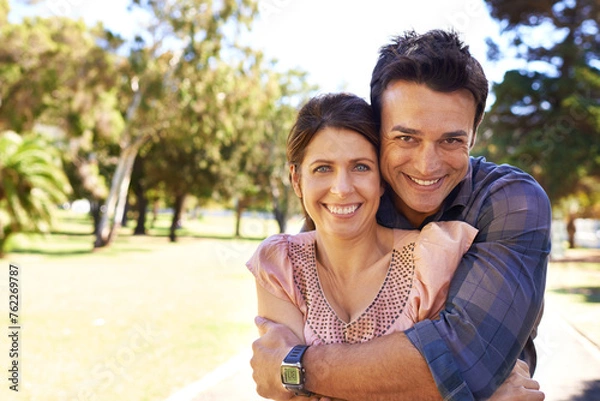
(519, 386)
(268, 351)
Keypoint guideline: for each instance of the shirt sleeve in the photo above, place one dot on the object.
(272, 268)
(438, 250)
(495, 296)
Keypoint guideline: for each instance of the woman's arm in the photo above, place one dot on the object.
(287, 314)
(280, 311)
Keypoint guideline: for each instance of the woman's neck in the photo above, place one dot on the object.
(347, 257)
(352, 270)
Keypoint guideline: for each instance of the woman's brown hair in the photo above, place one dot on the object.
(331, 110)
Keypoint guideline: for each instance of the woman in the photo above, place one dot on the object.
(351, 279)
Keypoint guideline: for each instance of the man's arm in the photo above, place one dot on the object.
(497, 292)
(386, 368)
(518, 386)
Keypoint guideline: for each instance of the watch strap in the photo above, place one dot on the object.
(295, 354)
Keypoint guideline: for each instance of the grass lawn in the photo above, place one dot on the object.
(573, 288)
(145, 317)
(137, 321)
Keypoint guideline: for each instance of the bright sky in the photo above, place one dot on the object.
(336, 41)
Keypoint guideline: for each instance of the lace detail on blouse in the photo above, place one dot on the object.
(379, 316)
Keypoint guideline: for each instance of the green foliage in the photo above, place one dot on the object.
(223, 127)
(546, 118)
(4, 8)
(32, 183)
(54, 73)
(208, 115)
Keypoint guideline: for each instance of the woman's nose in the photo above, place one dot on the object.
(342, 184)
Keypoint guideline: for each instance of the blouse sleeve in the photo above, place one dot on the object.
(272, 268)
(439, 248)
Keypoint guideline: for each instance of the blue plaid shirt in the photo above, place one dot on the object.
(496, 295)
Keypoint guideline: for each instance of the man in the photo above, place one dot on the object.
(430, 94)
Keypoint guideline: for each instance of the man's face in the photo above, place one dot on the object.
(426, 138)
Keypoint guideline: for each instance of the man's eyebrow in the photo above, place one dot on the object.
(406, 130)
(413, 131)
(455, 134)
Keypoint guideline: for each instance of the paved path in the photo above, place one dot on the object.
(231, 381)
(569, 364)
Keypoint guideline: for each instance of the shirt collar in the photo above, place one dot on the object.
(461, 194)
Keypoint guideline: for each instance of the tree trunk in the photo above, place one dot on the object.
(571, 231)
(280, 204)
(141, 200)
(5, 233)
(281, 218)
(95, 211)
(115, 203)
(154, 213)
(238, 218)
(142, 206)
(176, 222)
(124, 219)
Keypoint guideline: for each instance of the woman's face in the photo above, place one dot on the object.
(339, 182)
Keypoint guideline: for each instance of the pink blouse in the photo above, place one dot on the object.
(415, 288)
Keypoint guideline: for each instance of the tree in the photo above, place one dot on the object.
(32, 183)
(292, 91)
(546, 117)
(262, 104)
(196, 31)
(54, 76)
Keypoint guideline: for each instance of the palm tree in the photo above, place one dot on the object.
(32, 182)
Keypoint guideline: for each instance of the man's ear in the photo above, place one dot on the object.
(295, 179)
(474, 137)
(473, 140)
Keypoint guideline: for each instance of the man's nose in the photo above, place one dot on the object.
(427, 160)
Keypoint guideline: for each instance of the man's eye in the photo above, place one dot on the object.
(454, 141)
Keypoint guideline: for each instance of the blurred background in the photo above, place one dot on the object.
(142, 159)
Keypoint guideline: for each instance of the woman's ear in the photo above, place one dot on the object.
(295, 179)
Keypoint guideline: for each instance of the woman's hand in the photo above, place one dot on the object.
(519, 386)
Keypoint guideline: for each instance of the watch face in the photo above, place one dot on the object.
(290, 375)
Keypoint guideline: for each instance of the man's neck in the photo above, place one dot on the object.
(414, 217)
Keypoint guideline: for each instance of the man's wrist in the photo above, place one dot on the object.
(293, 373)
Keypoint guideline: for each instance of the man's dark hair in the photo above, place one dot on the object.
(438, 59)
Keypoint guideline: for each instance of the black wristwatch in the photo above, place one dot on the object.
(292, 371)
